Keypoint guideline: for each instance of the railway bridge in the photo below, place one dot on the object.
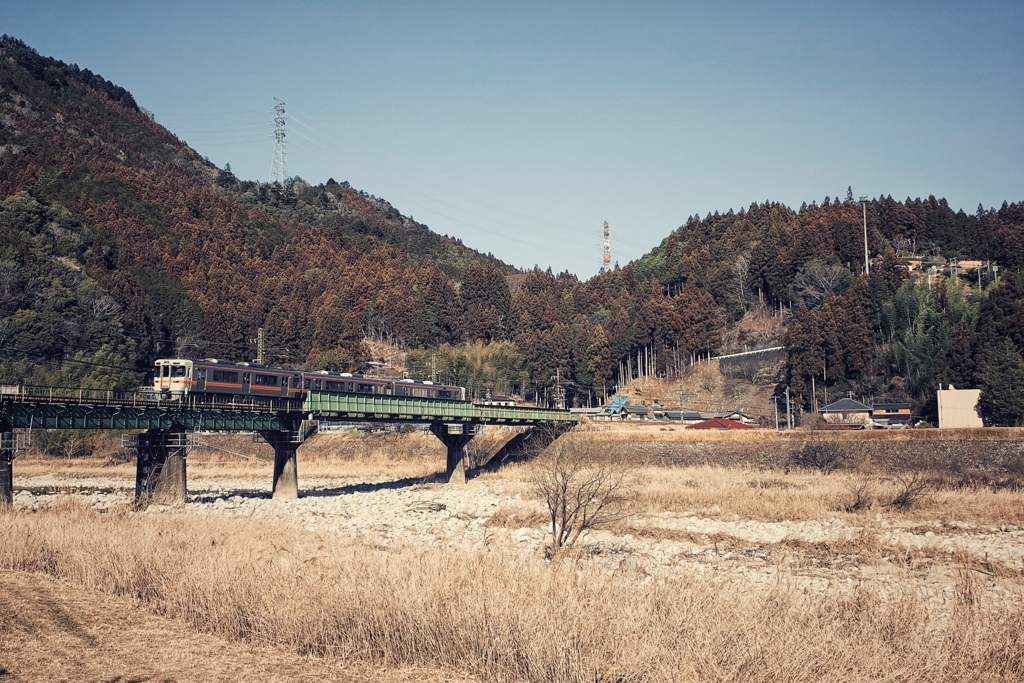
(164, 429)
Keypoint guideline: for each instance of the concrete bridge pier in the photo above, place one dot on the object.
(286, 474)
(160, 467)
(7, 450)
(454, 437)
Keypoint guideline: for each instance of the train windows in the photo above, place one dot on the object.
(178, 371)
(225, 376)
(364, 388)
(165, 371)
(264, 380)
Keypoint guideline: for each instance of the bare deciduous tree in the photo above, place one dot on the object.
(816, 279)
(581, 492)
(738, 282)
(10, 276)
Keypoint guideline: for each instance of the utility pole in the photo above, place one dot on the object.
(259, 346)
(775, 402)
(789, 415)
(864, 209)
(559, 396)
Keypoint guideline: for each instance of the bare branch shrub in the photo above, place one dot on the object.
(911, 486)
(862, 493)
(820, 453)
(581, 491)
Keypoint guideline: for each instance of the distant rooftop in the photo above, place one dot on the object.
(845, 405)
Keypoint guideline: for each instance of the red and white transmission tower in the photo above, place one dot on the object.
(606, 261)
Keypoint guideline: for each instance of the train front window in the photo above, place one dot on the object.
(178, 371)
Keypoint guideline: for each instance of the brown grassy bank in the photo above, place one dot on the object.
(721, 492)
(996, 451)
(502, 619)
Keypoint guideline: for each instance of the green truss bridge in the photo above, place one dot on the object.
(165, 427)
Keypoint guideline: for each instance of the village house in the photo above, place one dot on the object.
(847, 414)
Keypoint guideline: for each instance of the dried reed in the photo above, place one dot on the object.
(502, 619)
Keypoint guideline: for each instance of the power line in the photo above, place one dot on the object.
(378, 153)
(518, 227)
(61, 361)
(373, 156)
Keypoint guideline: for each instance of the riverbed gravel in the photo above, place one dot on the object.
(817, 554)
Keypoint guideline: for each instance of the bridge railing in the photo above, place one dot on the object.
(414, 409)
(517, 413)
(41, 394)
(21, 392)
(320, 404)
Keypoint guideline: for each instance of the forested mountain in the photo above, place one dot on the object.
(118, 244)
(891, 336)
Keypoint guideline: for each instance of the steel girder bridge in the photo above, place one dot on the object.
(165, 428)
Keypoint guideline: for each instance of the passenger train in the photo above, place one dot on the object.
(177, 378)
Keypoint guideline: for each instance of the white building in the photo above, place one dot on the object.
(959, 408)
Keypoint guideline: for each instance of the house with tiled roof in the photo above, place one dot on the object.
(636, 412)
(847, 414)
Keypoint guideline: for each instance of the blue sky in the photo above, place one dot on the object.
(520, 128)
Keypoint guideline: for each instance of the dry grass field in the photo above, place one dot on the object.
(719, 572)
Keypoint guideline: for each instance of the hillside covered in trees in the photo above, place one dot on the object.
(120, 244)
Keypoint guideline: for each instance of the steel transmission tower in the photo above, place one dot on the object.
(606, 261)
(279, 167)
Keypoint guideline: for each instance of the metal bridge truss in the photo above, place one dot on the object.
(167, 426)
(365, 407)
(48, 408)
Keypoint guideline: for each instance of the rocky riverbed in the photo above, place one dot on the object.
(493, 514)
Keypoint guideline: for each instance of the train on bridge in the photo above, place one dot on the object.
(179, 378)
